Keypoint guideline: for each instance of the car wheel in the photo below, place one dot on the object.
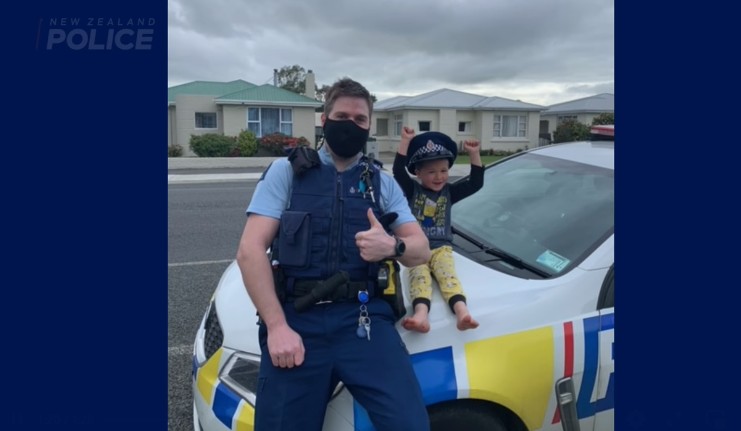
(468, 416)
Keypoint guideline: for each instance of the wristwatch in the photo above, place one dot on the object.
(400, 247)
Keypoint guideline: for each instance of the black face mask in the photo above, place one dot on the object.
(345, 138)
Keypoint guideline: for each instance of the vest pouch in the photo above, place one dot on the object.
(294, 239)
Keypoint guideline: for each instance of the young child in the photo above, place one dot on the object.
(430, 156)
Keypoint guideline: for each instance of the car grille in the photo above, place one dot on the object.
(214, 336)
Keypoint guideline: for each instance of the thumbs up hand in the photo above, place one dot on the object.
(374, 244)
(373, 220)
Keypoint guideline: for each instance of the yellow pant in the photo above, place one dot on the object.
(442, 266)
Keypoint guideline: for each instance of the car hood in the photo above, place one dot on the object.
(501, 303)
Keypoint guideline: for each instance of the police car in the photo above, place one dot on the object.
(534, 252)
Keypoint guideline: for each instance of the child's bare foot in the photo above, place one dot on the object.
(466, 322)
(416, 323)
(463, 317)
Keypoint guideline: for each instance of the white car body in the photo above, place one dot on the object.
(533, 333)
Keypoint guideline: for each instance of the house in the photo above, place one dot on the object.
(582, 110)
(497, 123)
(227, 108)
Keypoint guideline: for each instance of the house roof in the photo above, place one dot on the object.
(446, 98)
(207, 88)
(390, 103)
(267, 94)
(508, 104)
(241, 92)
(604, 102)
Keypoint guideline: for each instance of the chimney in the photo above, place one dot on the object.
(275, 77)
(310, 88)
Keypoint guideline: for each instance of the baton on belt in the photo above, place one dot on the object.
(322, 290)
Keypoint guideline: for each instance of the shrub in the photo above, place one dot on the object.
(213, 145)
(303, 142)
(504, 153)
(246, 144)
(569, 131)
(604, 118)
(174, 150)
(273, 143)
(278, 143)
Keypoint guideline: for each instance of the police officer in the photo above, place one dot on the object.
(322, 320)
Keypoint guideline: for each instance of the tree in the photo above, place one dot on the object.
(604, 118)
(292, 78)
(569, 131)
(321, 93)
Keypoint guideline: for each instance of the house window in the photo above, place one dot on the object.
(562, 118)
(464, 127)
(286, 122)
(424, 126)
(205, 120)
(264, 121)
(397, 124)
(510, 126)
(382, 127)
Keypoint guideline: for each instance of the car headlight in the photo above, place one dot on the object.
(240, 375)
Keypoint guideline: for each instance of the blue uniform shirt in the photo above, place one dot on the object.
(274, 190)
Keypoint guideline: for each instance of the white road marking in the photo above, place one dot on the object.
(208, 178)
(203, 262)
(185, 349)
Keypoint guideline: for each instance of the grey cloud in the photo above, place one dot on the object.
(396, 47)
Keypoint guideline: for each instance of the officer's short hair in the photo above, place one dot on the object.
(346, 87)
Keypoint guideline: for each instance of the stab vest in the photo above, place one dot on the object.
(337, 210)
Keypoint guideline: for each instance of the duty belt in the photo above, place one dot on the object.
(337, 288)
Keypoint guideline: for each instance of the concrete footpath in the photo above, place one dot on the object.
(215, 169)
(221, 169)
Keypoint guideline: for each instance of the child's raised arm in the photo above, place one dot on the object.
(406, 137)
(473, 148)
(400, 161)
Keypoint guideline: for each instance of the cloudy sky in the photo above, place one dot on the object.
(537, 51)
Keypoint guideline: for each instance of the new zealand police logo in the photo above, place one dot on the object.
(432, 147)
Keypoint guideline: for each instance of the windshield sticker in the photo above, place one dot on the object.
(553, 260)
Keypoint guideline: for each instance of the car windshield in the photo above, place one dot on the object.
(539, 213)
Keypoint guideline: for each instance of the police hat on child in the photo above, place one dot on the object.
(430, 146)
